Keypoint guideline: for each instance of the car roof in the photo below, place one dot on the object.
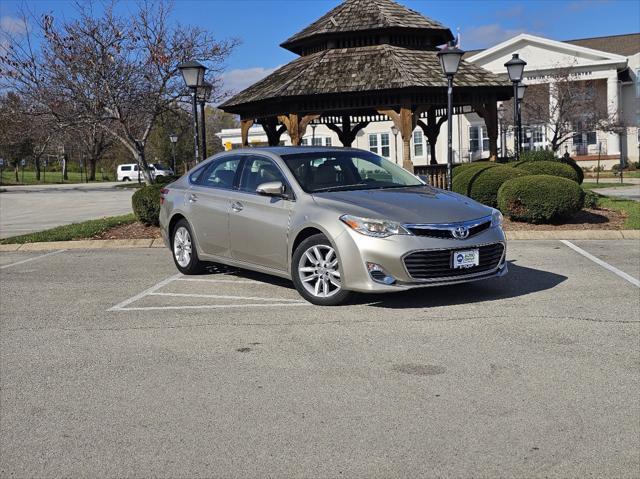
(292, 150)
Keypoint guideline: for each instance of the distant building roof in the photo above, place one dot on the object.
(625, 44)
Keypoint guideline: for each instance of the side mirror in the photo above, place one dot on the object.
(272, 188)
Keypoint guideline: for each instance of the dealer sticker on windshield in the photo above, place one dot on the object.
(466, 259)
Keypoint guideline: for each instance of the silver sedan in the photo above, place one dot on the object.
(333, 220)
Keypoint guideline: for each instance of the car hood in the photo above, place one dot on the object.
(406, 205)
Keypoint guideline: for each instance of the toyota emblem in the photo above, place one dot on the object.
(460, 232)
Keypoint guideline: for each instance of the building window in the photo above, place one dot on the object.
(373, 143)
(418, 143)
(304, 142)
(384, 142)
(478, 139)
(327, 141)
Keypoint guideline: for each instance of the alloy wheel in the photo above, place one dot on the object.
(182, 246)
(319, 271)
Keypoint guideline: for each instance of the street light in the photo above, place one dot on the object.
(203, 94)
(521, 91)
(193, 76)
(394, 130)
(173, 138)
(501, 131)
(515, 68)
(313, 134)
(450, 61)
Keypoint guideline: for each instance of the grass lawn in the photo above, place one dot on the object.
(76, 231)
(9, 177)
(630, 207)
(609, 174)
(602, 184)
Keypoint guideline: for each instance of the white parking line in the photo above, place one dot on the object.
(223, 296)
(32, 259)
(146, 292)
(206, 280)
(211, 306)
(613, 269)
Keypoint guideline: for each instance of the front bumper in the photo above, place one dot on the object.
(356, 250)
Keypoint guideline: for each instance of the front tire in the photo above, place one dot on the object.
(183, 247)
(315, 270)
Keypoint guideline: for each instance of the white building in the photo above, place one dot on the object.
(611, 64)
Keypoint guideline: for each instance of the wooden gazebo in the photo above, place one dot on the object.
(366, 61)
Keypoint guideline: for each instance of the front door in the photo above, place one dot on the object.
(259, 224)
(208, 200)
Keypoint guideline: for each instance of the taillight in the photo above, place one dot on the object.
(163, 194)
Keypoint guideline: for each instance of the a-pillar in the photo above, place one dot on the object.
(613, 109)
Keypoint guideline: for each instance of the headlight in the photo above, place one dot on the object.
(496, 219)
(376, 228)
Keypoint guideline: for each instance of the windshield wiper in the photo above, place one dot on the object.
(338, 188)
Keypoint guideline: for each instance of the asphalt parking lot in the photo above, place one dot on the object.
(114, 365)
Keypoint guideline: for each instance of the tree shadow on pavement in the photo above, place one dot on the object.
(519, 281)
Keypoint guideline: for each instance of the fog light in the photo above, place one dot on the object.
(379, 275)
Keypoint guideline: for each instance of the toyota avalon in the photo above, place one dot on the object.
(333, 220)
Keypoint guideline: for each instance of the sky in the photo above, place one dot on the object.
(261, 25)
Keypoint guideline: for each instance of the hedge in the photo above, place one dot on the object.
(146, 204)
(554, 168)
(484, 187)
(460, 183)
(540, 198)
(538, 155)
(469, 166)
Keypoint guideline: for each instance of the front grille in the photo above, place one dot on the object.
(434, 232)
(435, 264)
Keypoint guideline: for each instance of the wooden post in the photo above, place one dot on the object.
(244, 131)
(405, 122)
(489, 113)
(273, 131)
(431, 130)
(346, 134)
(296, 126)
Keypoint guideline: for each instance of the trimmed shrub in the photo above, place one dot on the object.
(572, 163)
(457, 169)
(540, 198)
(538, 155)
(461, 182)
(485, 185)
(591, 199)
(146, 204)
(554, 168)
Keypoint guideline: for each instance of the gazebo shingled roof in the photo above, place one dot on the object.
(367, 60)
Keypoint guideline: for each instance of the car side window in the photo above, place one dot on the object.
(125, 168)
(258, 170)
(221, 173)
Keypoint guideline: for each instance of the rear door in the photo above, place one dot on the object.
(259, 224)
(209, 203)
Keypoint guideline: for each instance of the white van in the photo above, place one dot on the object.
(130, 171)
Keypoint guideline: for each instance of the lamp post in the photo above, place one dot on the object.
(204, 92)
(450, 61)
(313, 134)
(501, 131)
(173, 138)
(515, 68)
(193, 76)
(394, 130)
(521, 91)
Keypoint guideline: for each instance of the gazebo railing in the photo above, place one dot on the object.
(437, 174)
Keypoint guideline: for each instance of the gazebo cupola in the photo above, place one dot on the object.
(365, 61)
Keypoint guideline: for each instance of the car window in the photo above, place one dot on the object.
(348, 170)
(259, 170)
(135, 167)
(221, 173)
(125, 168)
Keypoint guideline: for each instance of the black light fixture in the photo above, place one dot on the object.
(521, 91)
(450, 57)
(515, 69)
(173, 138)
(203, 94)
(193, 76)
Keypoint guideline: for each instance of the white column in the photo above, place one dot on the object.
(613, 109)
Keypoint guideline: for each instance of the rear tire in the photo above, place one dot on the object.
(183, 248)
(316, 272)
(126, 178)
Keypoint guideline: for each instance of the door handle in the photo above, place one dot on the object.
(236, 206)
(193, 198)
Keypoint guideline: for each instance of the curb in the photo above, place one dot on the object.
(159, 243)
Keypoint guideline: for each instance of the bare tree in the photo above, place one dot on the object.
(113, 72)
(566, 107)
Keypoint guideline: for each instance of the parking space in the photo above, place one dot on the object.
(114, 365)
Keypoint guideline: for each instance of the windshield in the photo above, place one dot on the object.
(349, 170)
(159, 166)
